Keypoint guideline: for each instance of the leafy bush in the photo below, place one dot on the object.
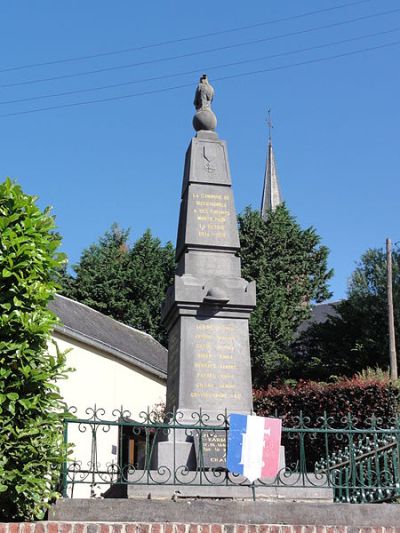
(348, 402)
(31, 409)
(361, 396)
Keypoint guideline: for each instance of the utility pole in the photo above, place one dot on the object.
(392, 338)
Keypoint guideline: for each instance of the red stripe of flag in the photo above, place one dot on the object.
(271, 450)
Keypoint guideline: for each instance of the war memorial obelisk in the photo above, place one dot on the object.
(207, 309)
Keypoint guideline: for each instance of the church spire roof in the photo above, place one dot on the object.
(271, 197)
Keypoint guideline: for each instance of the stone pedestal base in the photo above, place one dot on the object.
(213, 485)
(178, 454)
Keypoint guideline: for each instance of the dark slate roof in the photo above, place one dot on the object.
(91, 327)
(319, 314)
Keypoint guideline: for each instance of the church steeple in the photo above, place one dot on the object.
(271, 197)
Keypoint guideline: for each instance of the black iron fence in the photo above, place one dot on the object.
(357, 462)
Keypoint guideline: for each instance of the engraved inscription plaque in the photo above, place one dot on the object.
(211, 217)
(216, 368)
(210, 447)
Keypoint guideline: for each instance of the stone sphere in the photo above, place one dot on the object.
(204, 120)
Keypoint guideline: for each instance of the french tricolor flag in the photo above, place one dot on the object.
(253, 446)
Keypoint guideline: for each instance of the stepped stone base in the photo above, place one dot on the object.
(181, 516)
(210, 485)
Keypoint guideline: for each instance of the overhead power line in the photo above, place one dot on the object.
(183, 39)
(194, 71)
(222, 78)
(192, 54)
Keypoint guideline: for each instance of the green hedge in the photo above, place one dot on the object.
(359, 396)
(311, 404)
(31, 409)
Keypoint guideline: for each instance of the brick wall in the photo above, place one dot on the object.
(123, 527)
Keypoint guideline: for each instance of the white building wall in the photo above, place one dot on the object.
(102, 380)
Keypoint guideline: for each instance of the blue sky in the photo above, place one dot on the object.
(336, 133)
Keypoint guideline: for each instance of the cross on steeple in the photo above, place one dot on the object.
(270, 125)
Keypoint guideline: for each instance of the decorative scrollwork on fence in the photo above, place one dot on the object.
(359, 462)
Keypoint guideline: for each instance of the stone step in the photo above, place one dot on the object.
(156, 485)
(226, 512)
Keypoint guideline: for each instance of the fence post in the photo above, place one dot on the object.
(65, 463)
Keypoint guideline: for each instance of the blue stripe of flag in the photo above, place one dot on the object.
(237, 426)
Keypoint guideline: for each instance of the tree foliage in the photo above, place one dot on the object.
(125, 282)
(290, 268)
(31, 410)
(358, 337)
